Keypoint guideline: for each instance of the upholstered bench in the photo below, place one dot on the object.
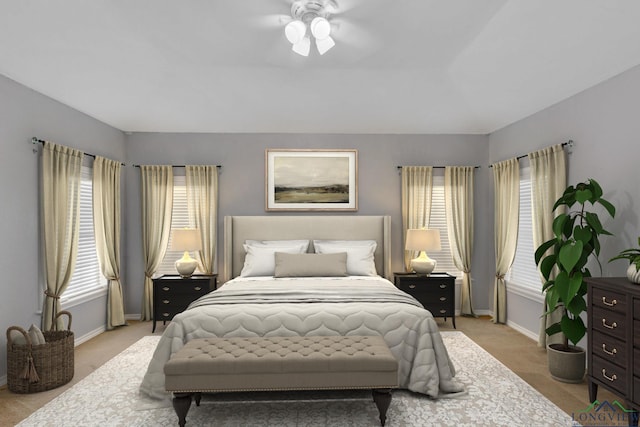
(214, 365)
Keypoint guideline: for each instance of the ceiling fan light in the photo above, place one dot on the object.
(320, 28)
(324, 45)
(302, 47)
(295, 31)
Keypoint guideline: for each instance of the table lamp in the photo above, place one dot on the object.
(186, 239)
(424, 239)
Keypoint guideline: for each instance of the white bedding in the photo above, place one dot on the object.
(261, 306)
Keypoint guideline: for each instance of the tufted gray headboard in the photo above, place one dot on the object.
(237, 229)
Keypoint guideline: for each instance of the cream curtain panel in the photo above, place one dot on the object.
(157, 205)
(202, 203)
(106, 225)
(458, 194)
(417, 184)
(548, 182)
(61, 224)
(506, 179)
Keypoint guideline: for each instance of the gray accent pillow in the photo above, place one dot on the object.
(310, 265)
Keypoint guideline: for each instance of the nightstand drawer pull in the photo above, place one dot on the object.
(611, 326)
(443, 311)
(165, 301)
(610, 353)
(197, 288)
(610, 304)
(165, 314)
(165, 288)
(443, 286)
(611, 378)
(443, 298)
(412, 286)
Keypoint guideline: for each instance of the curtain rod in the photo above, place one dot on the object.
(177, 166)
(570, 143)
(35, 140)
(438, 167)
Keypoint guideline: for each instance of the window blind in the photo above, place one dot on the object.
(87, 277)
(524, 272)
(438, 219)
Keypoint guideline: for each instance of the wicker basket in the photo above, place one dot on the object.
(35, 368)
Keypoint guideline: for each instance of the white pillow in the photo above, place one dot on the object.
(36, 335)
(360, 259)
(279, 243)
(261, 260)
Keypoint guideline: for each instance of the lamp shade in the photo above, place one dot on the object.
(425, 239)
(324, 45)
(303, 47)
(186, 239)
(295, 31)
(320, 28)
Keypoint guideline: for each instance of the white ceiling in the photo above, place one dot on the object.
(403, 66)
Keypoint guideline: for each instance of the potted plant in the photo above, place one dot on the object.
(633, 256)
(563, 264)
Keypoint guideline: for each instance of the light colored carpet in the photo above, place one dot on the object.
(496, 397)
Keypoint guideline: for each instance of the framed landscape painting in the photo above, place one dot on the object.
(311, 180)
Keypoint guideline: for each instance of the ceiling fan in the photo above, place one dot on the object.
(311, 18)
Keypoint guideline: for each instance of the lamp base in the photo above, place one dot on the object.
(423, 264)
(186, 265)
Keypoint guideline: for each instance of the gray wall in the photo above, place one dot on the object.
(241, 183)
(603, 122)
(24, 114)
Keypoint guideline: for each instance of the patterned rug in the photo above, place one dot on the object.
(496, 397)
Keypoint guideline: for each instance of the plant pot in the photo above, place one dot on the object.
(566, 366)
(633, 274)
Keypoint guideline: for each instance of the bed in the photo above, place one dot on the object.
(316, 304)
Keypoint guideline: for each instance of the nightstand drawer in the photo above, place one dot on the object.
(182, 288)
(440, 310)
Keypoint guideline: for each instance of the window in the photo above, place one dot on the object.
(179, 219)
(524, 272)
(438, 219)
(87, 280)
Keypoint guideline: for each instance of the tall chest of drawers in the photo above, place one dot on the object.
(614, 338)
(172, 294)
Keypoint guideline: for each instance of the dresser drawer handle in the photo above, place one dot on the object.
(443, 298)
(412, 286)
(443, 286)
(611, 378)
(611, 326)
(610, 304)
(165, 288)
(610, 353)
(197, 288)
(165, 301)
(443, 311)
(165, 314)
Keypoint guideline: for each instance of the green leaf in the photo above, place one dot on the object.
(546, 266)
(582, 233)
(552, 297)
(573, 329)
(577, 306)
(542, 249)
(558, 224)
(570, 254)
(595, 188)
(594, 222)
(583, 196)
(562, 286)
(554, 329)
(575, 281)
(608, 206)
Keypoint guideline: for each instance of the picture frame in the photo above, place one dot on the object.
(311, 180)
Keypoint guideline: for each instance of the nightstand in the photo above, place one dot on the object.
(435, 292)
(172, 294)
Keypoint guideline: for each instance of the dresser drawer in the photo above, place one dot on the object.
(636, 308)
(610, 374)
(636, 333)
(610, 300)
(609, 348)
(609, 322)
(439, 310)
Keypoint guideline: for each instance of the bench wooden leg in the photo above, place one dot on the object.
(382, 398)
(181, 404)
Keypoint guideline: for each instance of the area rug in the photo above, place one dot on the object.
(495, 397)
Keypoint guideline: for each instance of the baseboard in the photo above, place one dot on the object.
(92, 334)
(3, 381)
(134, 316)
(524, 331)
